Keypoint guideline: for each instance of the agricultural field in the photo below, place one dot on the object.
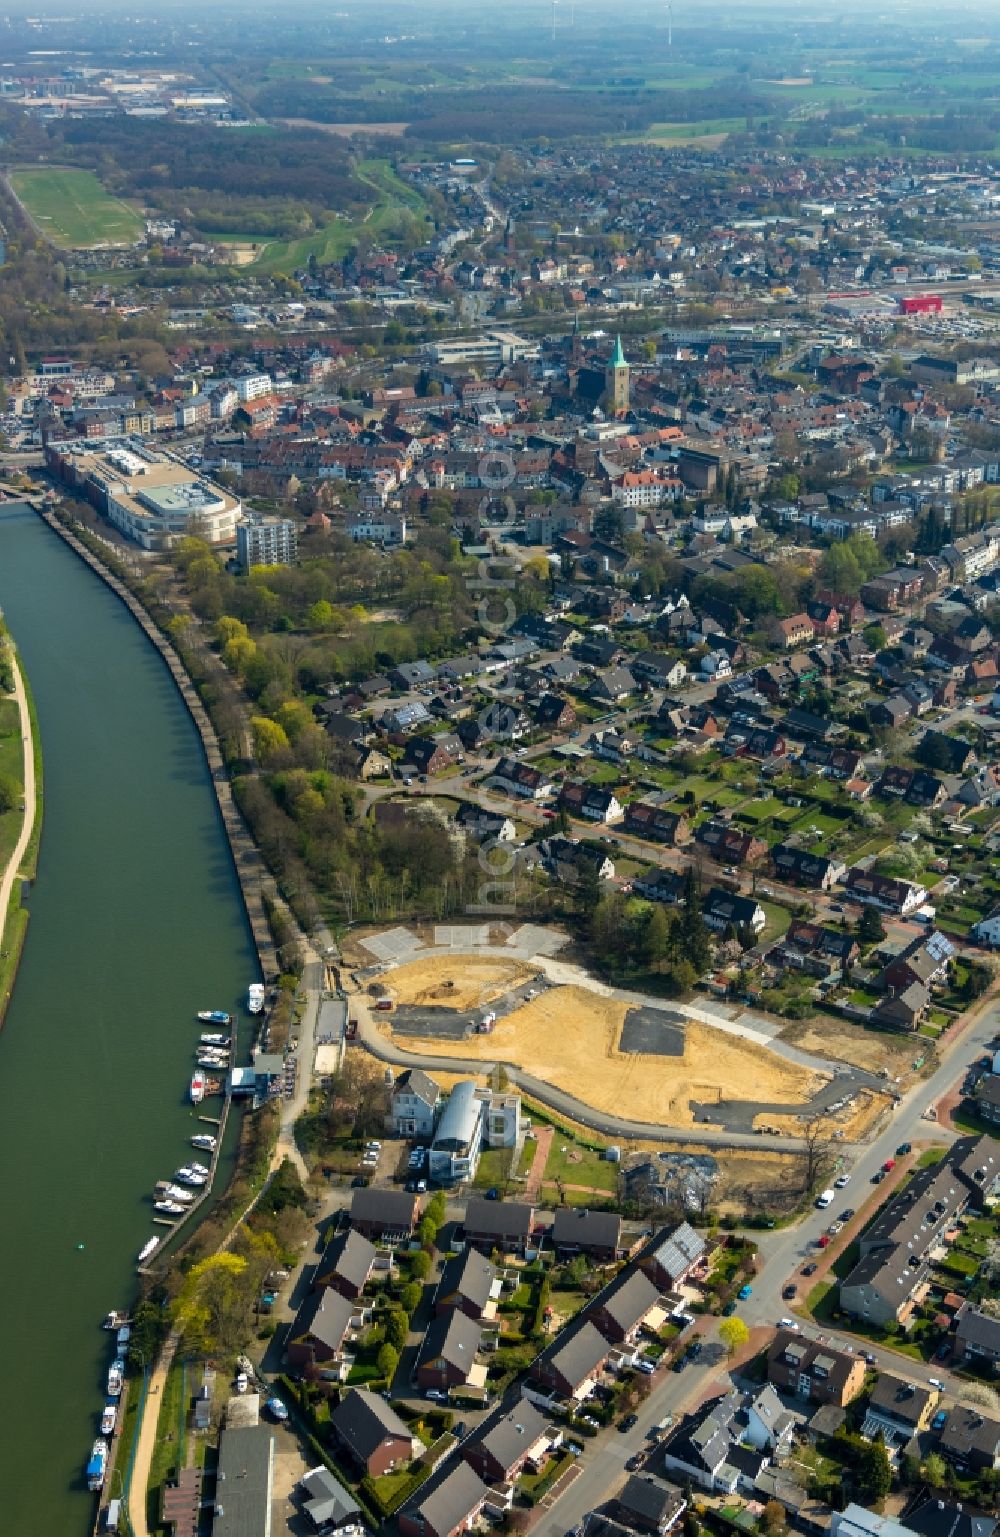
(72, 208)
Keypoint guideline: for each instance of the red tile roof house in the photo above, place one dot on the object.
(796, 631)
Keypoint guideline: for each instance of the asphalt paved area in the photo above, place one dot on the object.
(439, 1023)
(653, 1032)
(398, 944)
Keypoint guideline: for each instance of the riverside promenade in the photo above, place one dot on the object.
(13, 866)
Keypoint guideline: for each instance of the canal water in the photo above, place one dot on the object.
(136, 923)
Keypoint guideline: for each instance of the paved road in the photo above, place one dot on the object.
(781, 1253)
(30, 795)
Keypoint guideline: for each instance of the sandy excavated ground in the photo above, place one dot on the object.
(569, 1037)
(872, 1050)
(853, 1122)
(456, 981)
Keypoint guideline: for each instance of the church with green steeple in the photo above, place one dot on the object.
(616, 381)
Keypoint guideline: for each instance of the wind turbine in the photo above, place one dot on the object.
(670, 23)
(554, 4)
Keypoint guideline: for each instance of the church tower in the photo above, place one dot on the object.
(616, 381)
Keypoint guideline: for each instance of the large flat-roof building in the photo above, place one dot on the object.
(244, 1483)
(149, 496)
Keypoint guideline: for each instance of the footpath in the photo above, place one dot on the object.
(10, 874)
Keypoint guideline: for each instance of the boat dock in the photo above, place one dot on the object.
(175, 1224)
(218, 1123)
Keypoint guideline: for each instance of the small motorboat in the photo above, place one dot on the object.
(116, 1377)
(216, 1040)
(215, 1017)
(109, 1419)
(170, 1208)
(148, 1249)
(197, 1090)
(191, 1177)
(255, 997)
(205, 1141)
(176, 1193)
(97, 1464)
(116, 1320)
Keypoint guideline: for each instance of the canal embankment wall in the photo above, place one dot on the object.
(249, 865)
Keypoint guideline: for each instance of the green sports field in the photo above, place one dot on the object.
(72, 208)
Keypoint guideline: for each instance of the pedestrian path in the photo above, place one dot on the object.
(30, 796)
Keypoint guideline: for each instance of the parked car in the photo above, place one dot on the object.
(889, 1165)
(744, 1292)
(635, 1461)
(788, 1292)
(648, 1367)
(903, 1149)
(810, 1269)
(629, 1422)
(847, 1214)
(844, 1179)
(834, 1229)
(437, 1394)
(823, 1240)
(729, 1310)
(940, 1420)
(695, 1349)
(787, 1323)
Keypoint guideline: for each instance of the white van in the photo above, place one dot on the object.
(824, 1200)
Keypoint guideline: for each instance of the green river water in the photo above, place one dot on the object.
(136, 923)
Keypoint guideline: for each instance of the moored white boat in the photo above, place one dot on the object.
(188, 1176)
(149, 1248)
(97, 1464)
(255, 997)
(116, 1377)
(176, 1193)
(216, 1040)
(197, 1090)
(205, 1141)
(170, 1208)
(109, 1419)
(215, 1017)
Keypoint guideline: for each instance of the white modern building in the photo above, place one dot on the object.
(271, 543)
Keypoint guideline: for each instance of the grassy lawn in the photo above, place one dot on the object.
(12, 765)
(72, 208)
(573, 1164)
(494, 1168)
(778, 919)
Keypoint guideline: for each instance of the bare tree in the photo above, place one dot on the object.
(817, 1153)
